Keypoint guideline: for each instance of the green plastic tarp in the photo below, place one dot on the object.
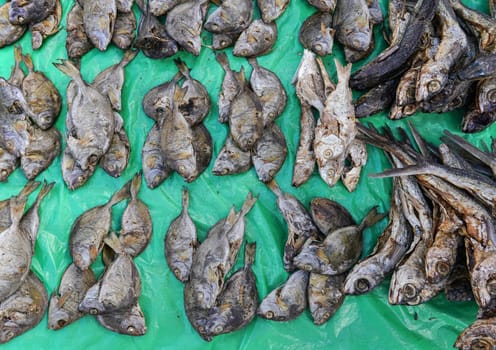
(363, 322)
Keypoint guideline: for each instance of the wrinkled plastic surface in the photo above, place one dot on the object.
(363, 322)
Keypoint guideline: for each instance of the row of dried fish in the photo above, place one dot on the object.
(250, 109)
(113, 297)
(213, 305)
(29, 105)
(95, 129)
(42, 17)
(178, 141)
(440, 53)
(23, 296)
(350, 21)
(93, 23)
(322, 246)
(331, 141)
(441, 230)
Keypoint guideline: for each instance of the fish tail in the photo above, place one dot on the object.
(248, 204)
(371, 218)
(128, 56)
(135, 185)
(69, 69)
(179, 93)
(253, 62)
(120, 195)
(113, 242)
(274, 187)
(221, 57)
(240, 76)
(17, 55)
(28, 61)
(178, 76)
(43, 192)
(250, 249)
(17, 206)
(185, 199)
(344, 72)
(28, 189)
(183, 68)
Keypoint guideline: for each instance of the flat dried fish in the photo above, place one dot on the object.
(231, 159)
(9, 33)
(184, 24)
(31, 11)
(230, 17)
(47, 27)
(155, 168)
(124, 28)
(77, 42)
(256, 40)
(325, 296)
(270, 10)
(317, 34)
(99, 20)
(269, 153)
(305, 156)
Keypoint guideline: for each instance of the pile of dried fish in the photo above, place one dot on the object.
(92, 23)
(250, 109)
(321, 247)
(351, 21)
(23, 297)
(95, 129)
(446, 196)
(213, 305)
(41, 16)
(332, 141)
(29, 106)
(113, 298)
(440, 52)
(178, 141)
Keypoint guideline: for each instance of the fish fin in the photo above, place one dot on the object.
(468, 147)
(248, 204)
(371, 218)
(29, 188)
(17, 206)
(328, 84)
(179, 93)
(113, 242)
(135, 185)
(128, 56)
(274, 187)
(69, 69)
(28, 61)
(250, 249)
(185, 199)
(43, 192)
(183, 68)
(420, 141)
(120, 195)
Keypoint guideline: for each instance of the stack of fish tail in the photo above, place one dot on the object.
(41, 17)
(213, 306)
(30, 104)
(331, 142)
(456, 249)
(320, 250)
(23, 297)
(250, 109)
(113, 297)
(178, 141)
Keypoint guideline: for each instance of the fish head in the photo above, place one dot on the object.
(357, 39)
(191, 42)
(32, 164)
(363, 278)
(331, 171)
(215, 23)
(431, 81)
(86, 156)
(18, 15)
(181, 270)
(72, 173)
(243, 48)
(216, 324)
(271, 308)
(405, 287)
(220, 42)
(58, 317)
(309, 258)
(439, 263)
(483, 280)
(133, 324)
(187, 168)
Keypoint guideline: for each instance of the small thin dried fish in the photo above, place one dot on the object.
(269, 153)
(256, 40)
(308, 81)
(305, 156)
(377, 99)
(136, 222)
(287, 301)
(63, 308)
(181, 242)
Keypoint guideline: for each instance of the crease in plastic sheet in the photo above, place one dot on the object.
(363, 322)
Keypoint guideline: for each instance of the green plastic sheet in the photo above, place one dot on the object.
(363, 322)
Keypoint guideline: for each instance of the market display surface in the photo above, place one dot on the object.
(365, 321)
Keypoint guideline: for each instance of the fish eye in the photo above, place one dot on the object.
(20, 19)
(9, 335)
(326, 315)
(318, 47)
(200, 296)
(410, 291)
(3, 173)
(223, 43)
(457, 102)
(80, 178)
(434, 86)
(442, 268)
(328, 153)
(111, 167)
(190, 43)
(330, 173)
(61, 323)
(362, 285)
(269, 314)
(182, 168)
(218, 329)
(93, 159)
(10, 145)
(93, 311)
(131, 330)
(215, 26)
(491, 286)
(491, 96)
(244, 52)
(307, 267)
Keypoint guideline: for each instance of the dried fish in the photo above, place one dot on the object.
(329, 215)
(32, 11)
(136, 222)
(305, 156)
(115, 160)
(155, 168)
(181, 242)
(89, 229)
(308, 82)
(223, 40)
(99, 19)
(72, 173)
(129, 322)
(47, 27)
(231, 159)
(287, 301)
(44, 146)
(269, 153)
(317, 34)
(77, 42)
(158, 102)
(351, 19)
(377, 99)
(124, 28)
(232, 84)
(325, 296)
(270, 10)
(184, 25)
(230, 17)
(9, 33)
(63, 308)
(256, 40)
